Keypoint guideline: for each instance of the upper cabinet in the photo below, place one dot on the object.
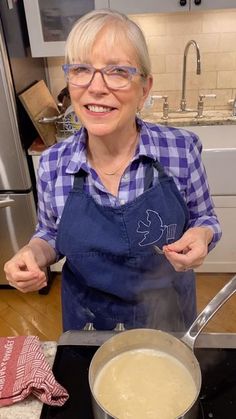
(159, 6)
(149, 6)
(50, 21)
(212, 4)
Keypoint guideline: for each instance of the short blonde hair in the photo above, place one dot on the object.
(83, 35)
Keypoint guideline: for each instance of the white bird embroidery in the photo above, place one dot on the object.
(153, 228)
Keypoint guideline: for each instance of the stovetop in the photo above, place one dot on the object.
(216, 354)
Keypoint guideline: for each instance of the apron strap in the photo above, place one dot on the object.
(79, 180)
(148, 180)
(160, 169)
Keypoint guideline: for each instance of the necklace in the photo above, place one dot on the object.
(117, 169)
(114, 172)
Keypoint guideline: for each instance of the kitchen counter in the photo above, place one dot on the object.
(30, 408)
(214, 117)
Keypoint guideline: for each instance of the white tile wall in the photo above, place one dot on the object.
(167, 34)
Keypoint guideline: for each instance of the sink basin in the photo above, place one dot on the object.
(216, 137)
(219, 156)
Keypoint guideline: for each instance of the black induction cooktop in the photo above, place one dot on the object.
(217, 397)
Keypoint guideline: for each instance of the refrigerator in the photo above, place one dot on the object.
(17, 198)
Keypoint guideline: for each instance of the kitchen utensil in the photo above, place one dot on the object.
(51, 119)
(181, 349)
(66, 123)
(158, 250)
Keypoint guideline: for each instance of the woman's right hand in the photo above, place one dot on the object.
(23, 272)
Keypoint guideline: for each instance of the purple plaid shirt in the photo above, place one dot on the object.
(178, 151)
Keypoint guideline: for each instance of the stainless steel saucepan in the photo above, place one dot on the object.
(181, 349)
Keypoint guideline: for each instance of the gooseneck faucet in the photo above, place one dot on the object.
(198, 71)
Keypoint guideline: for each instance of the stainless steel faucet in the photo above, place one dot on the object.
(201, 103)
(198, 71)
(233, 103)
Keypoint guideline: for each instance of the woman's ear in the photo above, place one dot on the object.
(146, 87)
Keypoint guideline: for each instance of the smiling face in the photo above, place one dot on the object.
(103, 111)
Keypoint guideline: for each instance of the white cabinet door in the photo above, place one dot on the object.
(149, 6)
(223, 257)
(212, 4)
(49, 22)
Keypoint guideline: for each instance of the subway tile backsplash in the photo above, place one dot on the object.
(167, 35)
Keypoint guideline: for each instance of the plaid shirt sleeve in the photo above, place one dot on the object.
(46, 228)
(199, 201)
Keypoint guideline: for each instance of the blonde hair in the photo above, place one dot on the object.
(83, 35)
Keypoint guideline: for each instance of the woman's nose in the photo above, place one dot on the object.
(98, 83)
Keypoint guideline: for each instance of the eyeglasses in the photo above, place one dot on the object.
(114, 76)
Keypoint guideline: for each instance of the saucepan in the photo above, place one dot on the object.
(182, 349)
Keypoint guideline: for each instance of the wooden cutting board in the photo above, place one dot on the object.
(38, 103)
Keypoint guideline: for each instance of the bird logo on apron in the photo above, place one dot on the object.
(153, 229)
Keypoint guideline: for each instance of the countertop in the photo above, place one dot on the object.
(186, 119)
(31, 407)
(177, 119)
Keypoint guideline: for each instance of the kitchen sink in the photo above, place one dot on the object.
(219, 156)
(216, 137)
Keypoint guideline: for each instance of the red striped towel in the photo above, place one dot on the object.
(24, 370)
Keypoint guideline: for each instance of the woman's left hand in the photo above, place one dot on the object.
(190, 250)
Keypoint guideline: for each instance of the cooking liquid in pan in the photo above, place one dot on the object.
(145, 383)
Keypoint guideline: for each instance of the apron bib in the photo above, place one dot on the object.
(112, 273)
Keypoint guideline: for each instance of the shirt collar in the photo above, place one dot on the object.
(78, 158)
(146, 144)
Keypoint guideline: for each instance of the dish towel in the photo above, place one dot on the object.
(24, 370)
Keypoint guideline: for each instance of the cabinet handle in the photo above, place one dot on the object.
(197, 2)
(183, 2)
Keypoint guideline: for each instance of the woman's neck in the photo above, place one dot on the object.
(106, 149)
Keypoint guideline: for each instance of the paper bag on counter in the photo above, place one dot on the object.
(39, 103)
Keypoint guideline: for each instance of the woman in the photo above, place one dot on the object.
(119, 187)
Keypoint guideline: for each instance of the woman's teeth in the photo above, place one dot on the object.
(95, 108)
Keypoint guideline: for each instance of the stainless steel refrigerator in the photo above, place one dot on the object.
(17, 204)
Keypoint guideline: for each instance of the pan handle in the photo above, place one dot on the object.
(209, 311)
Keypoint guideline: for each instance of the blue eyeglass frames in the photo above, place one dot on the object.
(114, 76)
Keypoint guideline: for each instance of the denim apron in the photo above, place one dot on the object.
(112, 273)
